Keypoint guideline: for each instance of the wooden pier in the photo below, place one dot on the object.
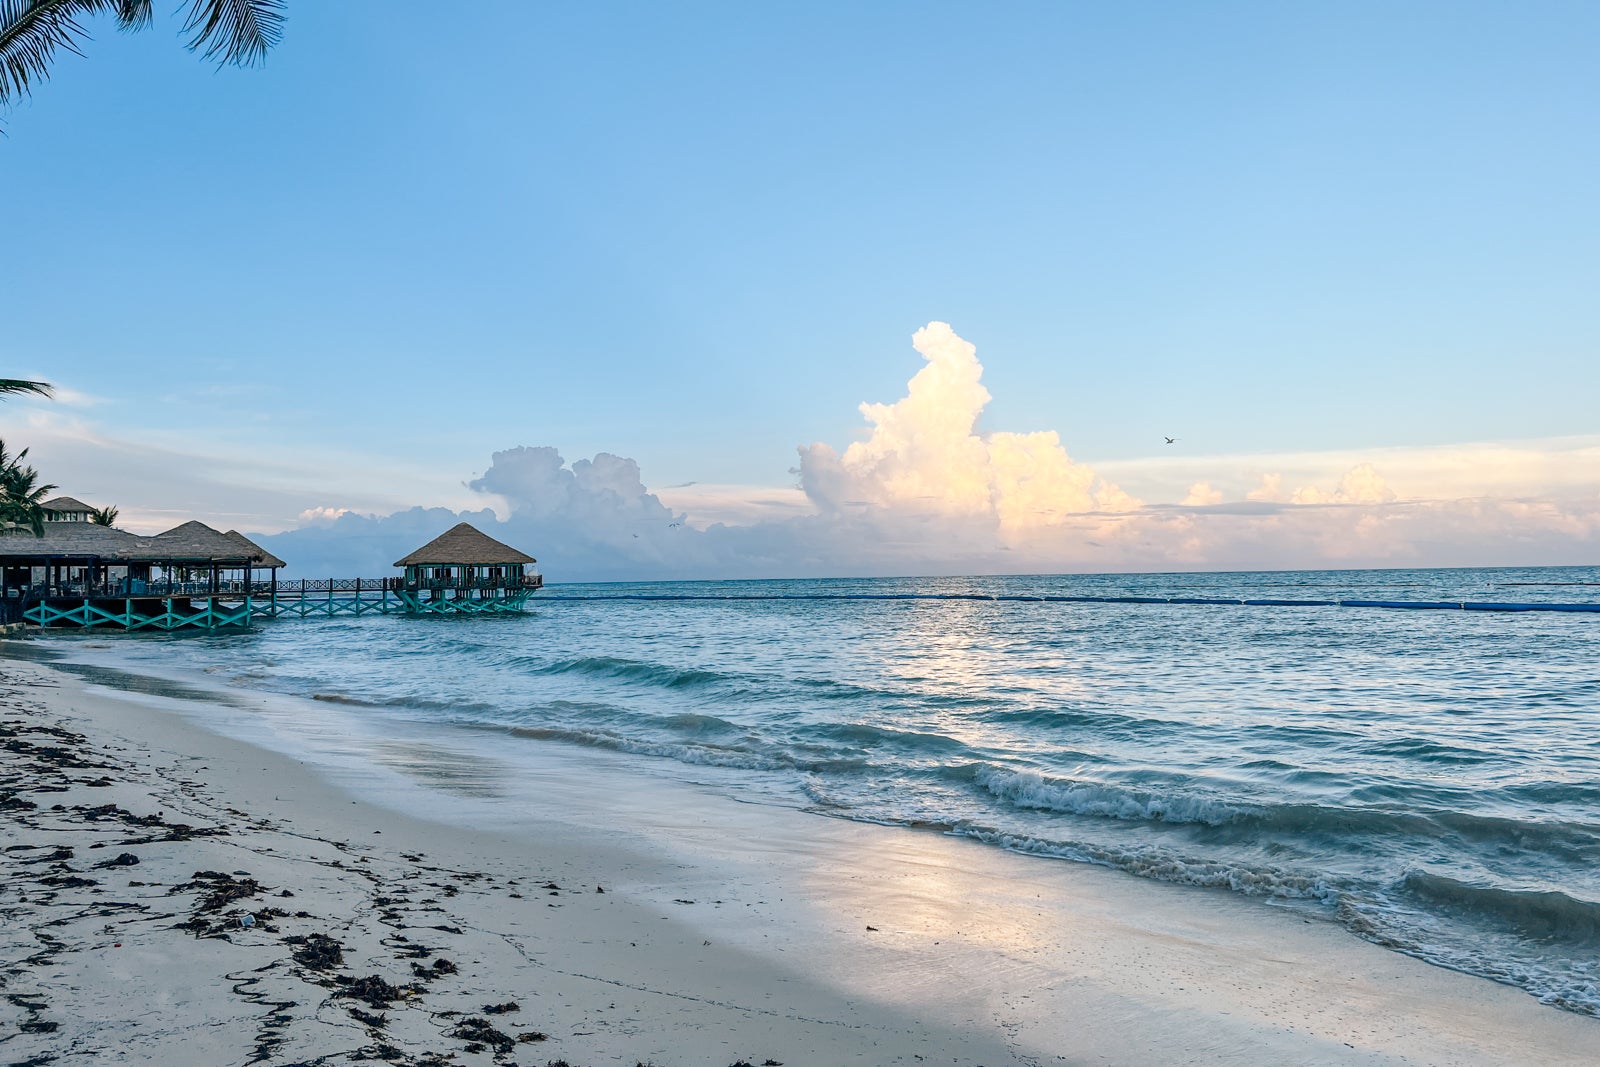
(180, 605)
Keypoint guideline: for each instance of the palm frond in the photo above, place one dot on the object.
(8, 461)
(25, 513)
(106, 516)
(134, 14)
(235, 31)
(30, 33)
(20, 385)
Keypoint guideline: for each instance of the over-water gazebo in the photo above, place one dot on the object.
(465, 571)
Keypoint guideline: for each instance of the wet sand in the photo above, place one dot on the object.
(177, 896)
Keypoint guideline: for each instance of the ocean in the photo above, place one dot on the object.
(1428, 779)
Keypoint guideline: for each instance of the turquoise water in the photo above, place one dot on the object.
(1430, 779)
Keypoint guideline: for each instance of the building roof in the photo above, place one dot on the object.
(463, 544)
(258, 554)
(67, 505)
(66, 540)
(193, 542)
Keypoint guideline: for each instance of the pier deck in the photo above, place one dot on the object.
(179, 605)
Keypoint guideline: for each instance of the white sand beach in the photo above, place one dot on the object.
(698, 931)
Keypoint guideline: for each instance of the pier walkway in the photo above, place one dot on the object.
(136, 605)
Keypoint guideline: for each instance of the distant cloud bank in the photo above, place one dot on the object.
(923, 492)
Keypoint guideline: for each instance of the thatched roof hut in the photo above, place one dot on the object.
(465, 546)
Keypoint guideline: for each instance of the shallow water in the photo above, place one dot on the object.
(1431, 779)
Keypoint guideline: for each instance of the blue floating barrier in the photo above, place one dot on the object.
(1029, 598)
(1490, 606)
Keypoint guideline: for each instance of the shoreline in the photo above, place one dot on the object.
(739, 932)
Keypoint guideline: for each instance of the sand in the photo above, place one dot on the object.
(176, 896)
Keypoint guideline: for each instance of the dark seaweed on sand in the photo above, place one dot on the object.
(319, 952)
(220, 890)
(371, 990)
(477, 1031)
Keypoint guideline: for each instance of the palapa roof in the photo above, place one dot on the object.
(193, 542)
(67, 505)
(260, 555)
(464, 544)
(66, 540)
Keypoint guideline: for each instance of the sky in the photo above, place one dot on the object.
(707, 290)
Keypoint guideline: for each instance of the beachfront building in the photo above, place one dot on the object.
(85, 575)
(465, 571)
(67, 509)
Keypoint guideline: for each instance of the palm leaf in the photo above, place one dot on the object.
(30, 33)
(133, 14)
(235, 31)
(21, 495)
(19, 385)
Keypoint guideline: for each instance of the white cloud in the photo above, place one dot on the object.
(923, 456)
(1361, 484)
(923, 491)
(1558, 467)
(161, 478)
(705, 504)
(1270, 489)
(75, 398)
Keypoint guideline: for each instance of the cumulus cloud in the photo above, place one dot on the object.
(593, 519)
(925, 491)
(1361, 484)
(1269, 491)
(924, 456)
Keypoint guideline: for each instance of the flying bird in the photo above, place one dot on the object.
(1169, 440)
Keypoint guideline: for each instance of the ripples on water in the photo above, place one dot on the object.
(1431, 779)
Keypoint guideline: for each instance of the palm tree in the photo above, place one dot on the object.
(21, 495)
(229, 31)
(9, 386)
(106, 516)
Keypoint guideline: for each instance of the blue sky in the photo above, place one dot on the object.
(699, 235)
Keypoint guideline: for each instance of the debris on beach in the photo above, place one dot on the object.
(125, 859)
(477, 1032)
(319, 952)
(372, 991)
